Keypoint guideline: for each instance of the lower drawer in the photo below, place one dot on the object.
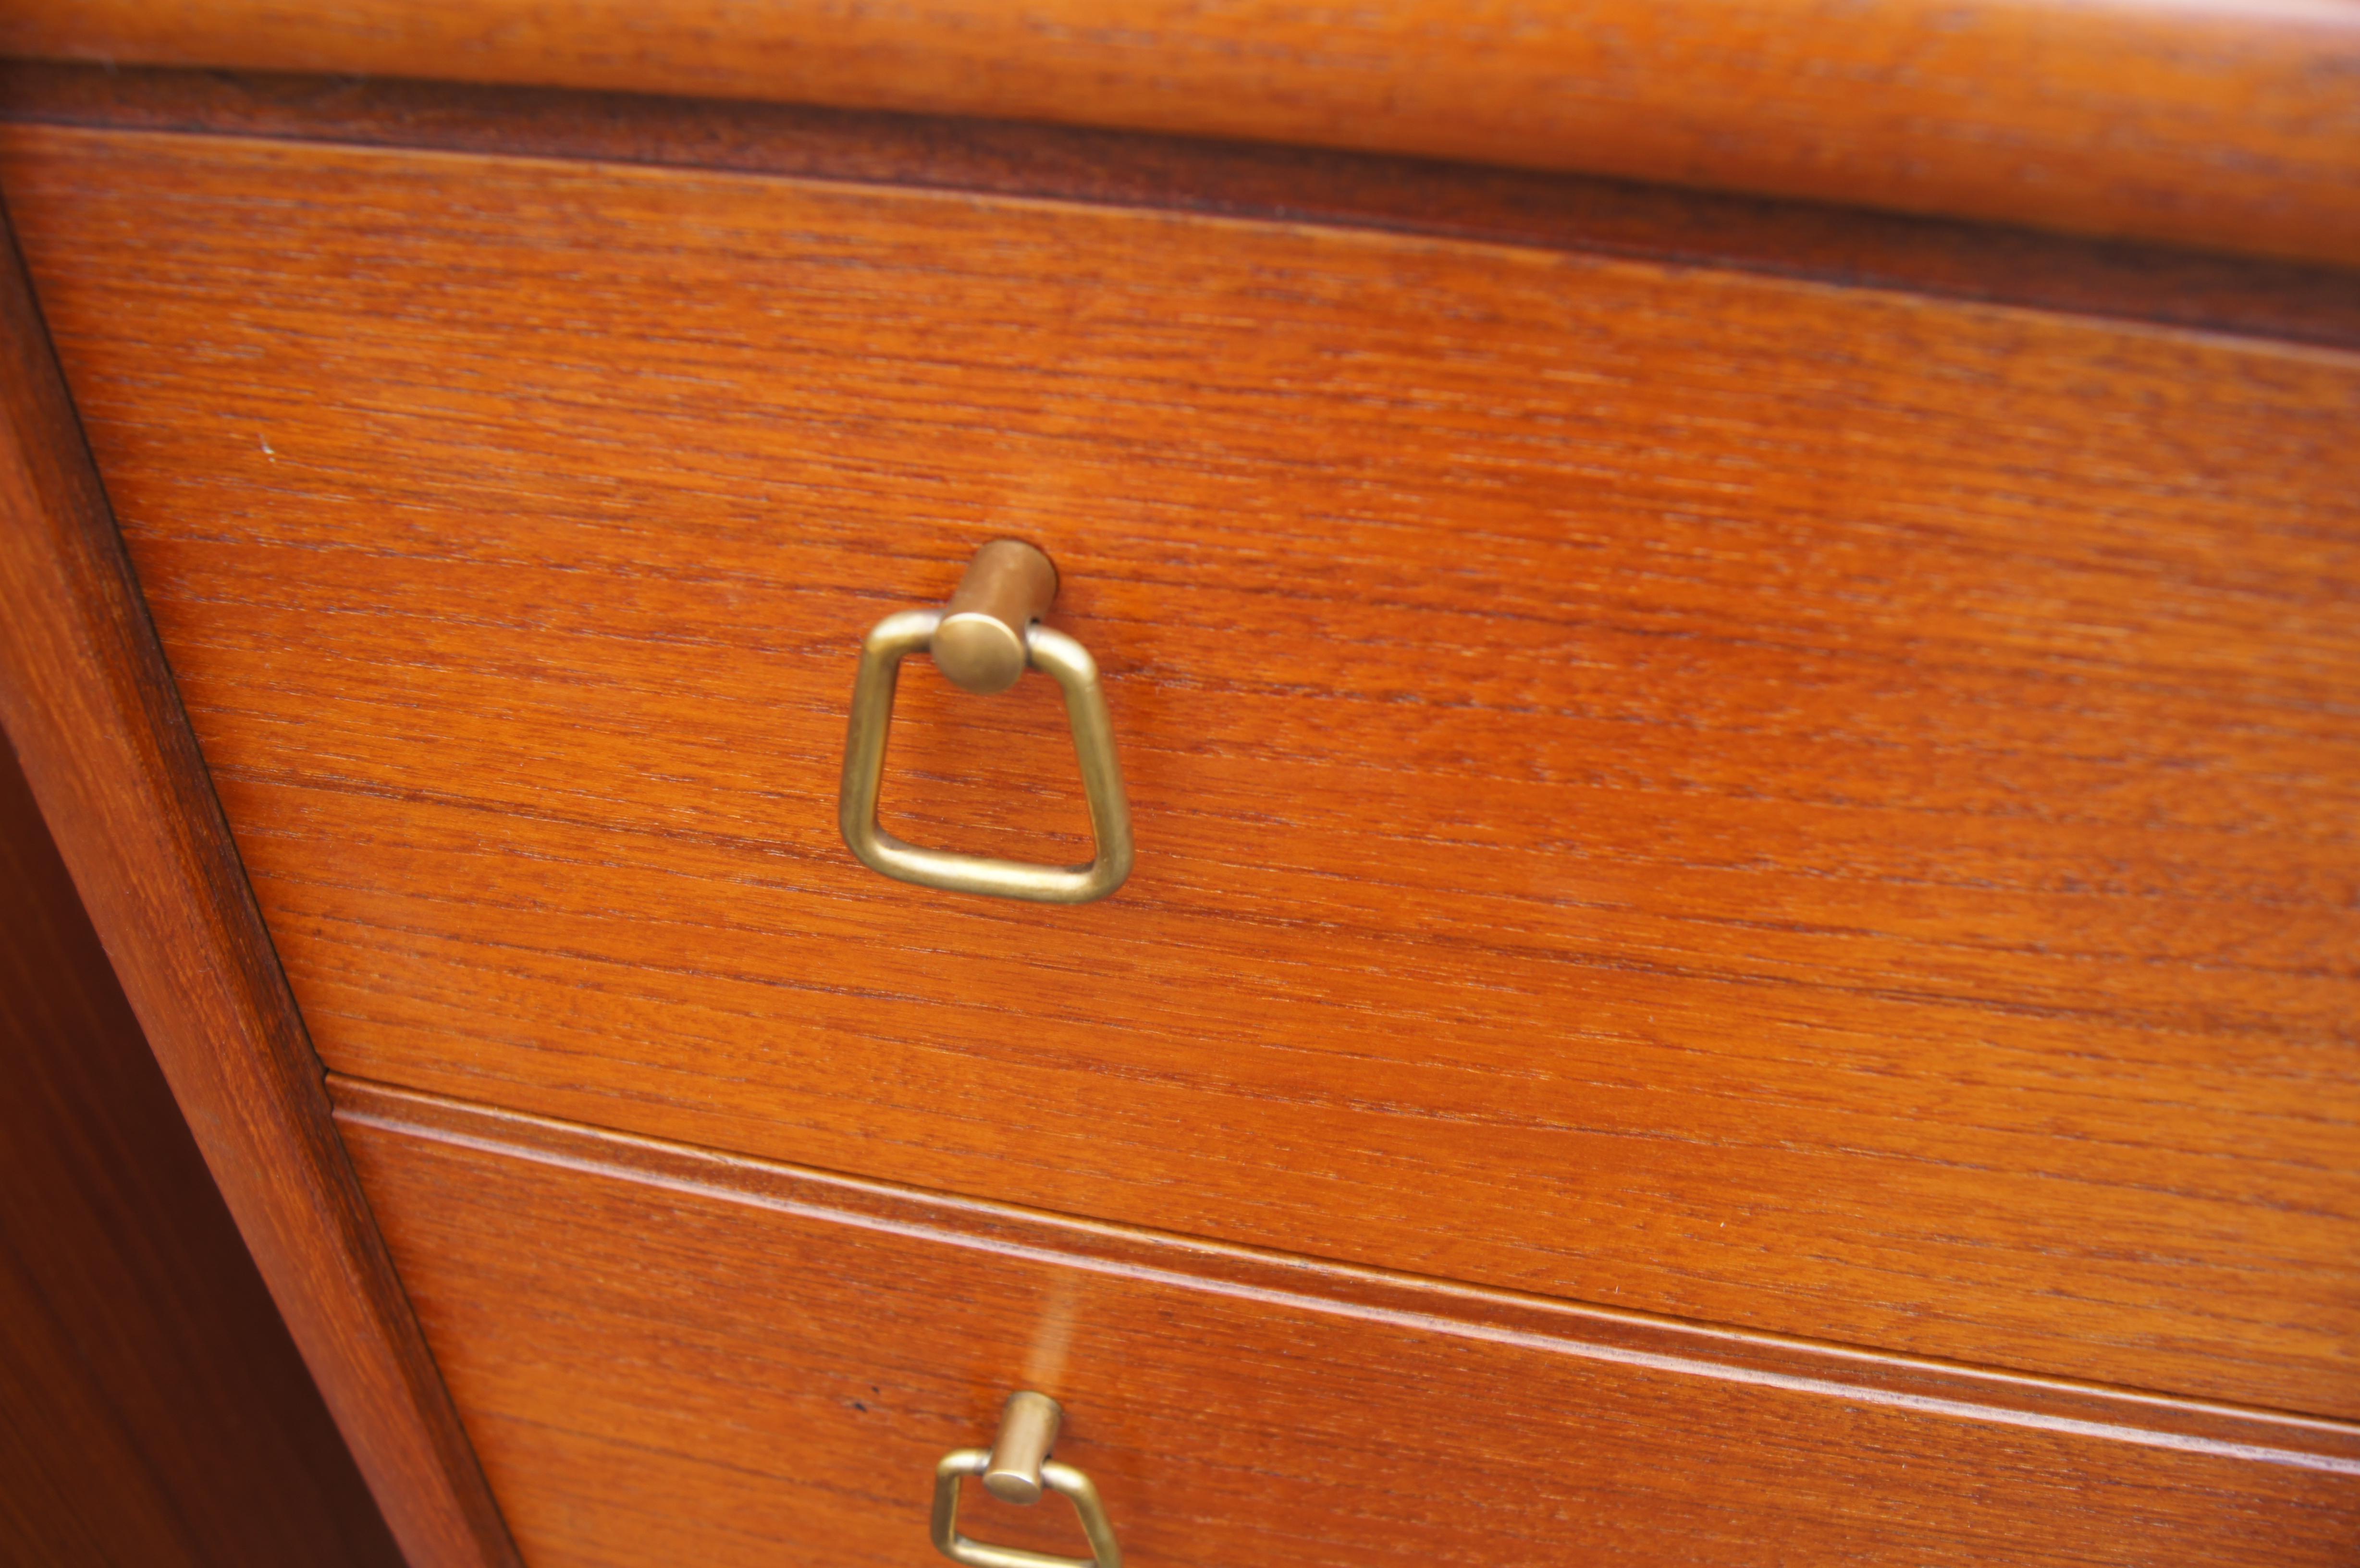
(666, 1356)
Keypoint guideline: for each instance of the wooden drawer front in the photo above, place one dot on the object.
(669, 1357)
(1801, 808)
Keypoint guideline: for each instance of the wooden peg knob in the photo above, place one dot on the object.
(980, 643)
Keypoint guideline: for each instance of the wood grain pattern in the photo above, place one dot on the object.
(153, 1410)
(1821, 242)
(669, 1355)
(2211, 124)
(88, 703)
(1813, 811)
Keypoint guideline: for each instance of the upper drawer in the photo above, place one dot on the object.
(1803, 808)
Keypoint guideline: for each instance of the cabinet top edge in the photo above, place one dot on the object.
(2216, 126)
(1814, 243)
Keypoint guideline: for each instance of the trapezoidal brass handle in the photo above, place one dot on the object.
(985, 639)
(1017, 1469)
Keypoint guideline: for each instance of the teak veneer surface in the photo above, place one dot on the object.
(1785, 806)
(2198, 122)
(667, 1356)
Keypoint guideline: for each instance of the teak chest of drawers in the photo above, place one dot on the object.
(1746, 920)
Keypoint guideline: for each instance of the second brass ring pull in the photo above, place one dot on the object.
(1056, 1477)
(1053, 653)
(1017, 1468)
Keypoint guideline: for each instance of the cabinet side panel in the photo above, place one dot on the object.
(157, 1411)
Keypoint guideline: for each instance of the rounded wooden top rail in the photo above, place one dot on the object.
(2225, 125)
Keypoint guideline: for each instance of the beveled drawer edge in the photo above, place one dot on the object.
(1407, 1301)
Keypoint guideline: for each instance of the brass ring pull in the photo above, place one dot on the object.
(985, 640)
(1016, 1468)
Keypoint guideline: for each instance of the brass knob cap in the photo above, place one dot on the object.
(1028, 1430)
(980, 643)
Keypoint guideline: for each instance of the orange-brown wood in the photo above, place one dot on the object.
(90, 706)
(668, 1356)
(2213, 124)
(1818, 811)
(1829, 244)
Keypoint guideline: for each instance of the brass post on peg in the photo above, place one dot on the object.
(980, 643)
(1028, 1431)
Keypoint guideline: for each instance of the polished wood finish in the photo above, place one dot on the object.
(1846, 245)
(2213, 124)
(668, 1356)
(153, 1410)
(90, 705)
(1803, 809)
